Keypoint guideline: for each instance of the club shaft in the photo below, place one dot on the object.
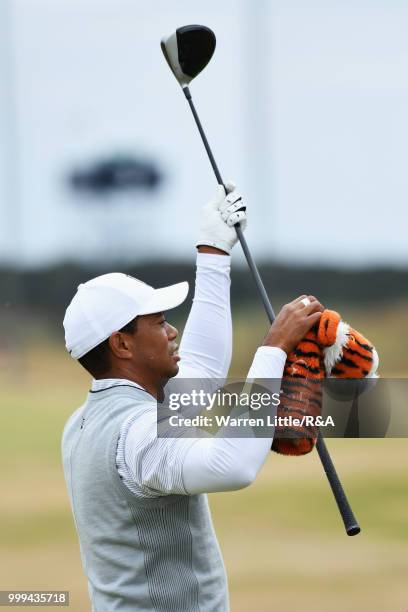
(256, 276)
(252, 266)
(217, 173)
(350, 523)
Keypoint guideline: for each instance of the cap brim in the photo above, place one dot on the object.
(166, 298)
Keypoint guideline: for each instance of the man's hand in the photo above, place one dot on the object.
(293, 322)
(219, 217)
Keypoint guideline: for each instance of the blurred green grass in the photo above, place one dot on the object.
(282, 538)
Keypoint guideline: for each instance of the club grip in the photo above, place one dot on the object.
(349, 520)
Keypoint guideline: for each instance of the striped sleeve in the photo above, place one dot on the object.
(150, 466)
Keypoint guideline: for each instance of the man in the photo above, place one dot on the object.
(139, 501)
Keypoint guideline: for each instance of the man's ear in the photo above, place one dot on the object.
(120, 345)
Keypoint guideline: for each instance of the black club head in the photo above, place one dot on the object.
(188, 51)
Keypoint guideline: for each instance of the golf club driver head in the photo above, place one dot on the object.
(188, 50)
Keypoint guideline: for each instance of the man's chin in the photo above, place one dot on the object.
(171, 372)
(172, 369)
(175, 371)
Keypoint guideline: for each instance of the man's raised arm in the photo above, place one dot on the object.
(206, 346)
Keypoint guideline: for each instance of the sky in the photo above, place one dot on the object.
(304, 105)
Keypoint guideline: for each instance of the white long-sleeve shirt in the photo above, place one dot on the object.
(152, 466)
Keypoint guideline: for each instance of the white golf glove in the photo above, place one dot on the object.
(219, 216)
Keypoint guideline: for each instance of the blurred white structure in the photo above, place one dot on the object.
(304, 105)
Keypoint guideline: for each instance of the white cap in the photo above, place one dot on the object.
(107, 303)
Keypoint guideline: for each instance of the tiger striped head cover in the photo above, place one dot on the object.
(330, 349)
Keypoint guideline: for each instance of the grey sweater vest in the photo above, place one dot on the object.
(138, 554)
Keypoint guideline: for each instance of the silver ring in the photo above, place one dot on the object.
(306, 301)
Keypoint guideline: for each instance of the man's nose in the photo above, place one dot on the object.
(172, 331)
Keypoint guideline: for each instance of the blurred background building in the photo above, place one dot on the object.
(304, 104)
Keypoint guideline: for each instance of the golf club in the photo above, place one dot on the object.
(188, 51)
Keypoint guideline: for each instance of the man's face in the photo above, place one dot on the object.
(154, 346)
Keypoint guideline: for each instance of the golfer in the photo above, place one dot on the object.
(139, 502)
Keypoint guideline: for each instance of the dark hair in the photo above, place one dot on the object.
(97, 360)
